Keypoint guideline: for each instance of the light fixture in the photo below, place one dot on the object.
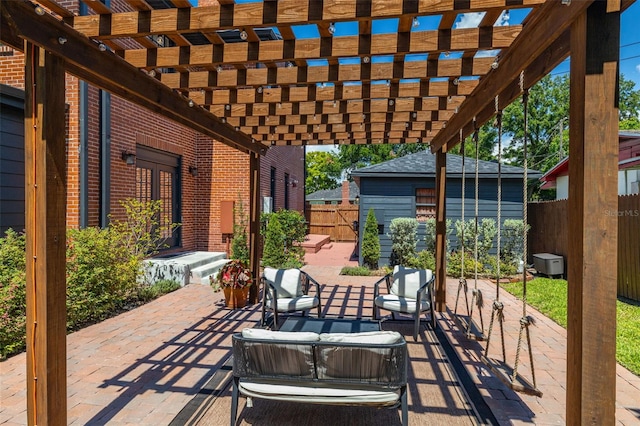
(415, 23)
(224, 120)
(193, 171)
(129, 158)
(494, 64)
(191, 103)
(456, 81)
(566, 2)
(366, 59)
(102, 47)
(243, 35)
(388, 83)
(279, 104)
(62, 40)
(335, 103)
(39, 10)
(227, 107)
(237, 129)
(219, 69)
(406, 125)
(391, 102)
(414, 114)
(152, 73)
(332, 28)
(289, 64)
(259, 89)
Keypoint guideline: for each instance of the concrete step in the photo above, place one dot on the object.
(179, 266)
(201, 274)
(314, 242)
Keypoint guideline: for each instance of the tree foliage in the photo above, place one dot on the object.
(403, 233)
(487, 140)
(353, 157)
(323, 171)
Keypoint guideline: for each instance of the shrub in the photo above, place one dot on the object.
(13, 297)
(508, 267)
(424, 260)
(430, 234)
(358, 271)
(512, 248)
(454, 264)
(153, 291)
(284, 232)
(370, 241)
(402, 232)
(240, 244)
(487, 232)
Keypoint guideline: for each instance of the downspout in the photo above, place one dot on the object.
(83, 118)
(105, 157)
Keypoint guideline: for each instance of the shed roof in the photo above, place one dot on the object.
(423, 164)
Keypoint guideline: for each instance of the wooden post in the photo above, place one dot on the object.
(254, 224)
(46, 196)
(441, 230)
(593, 203)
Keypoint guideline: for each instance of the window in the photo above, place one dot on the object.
(157, 178)
(425, 204)
(286, 191)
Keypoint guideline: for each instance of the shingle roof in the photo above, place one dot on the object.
(334, 194)
(423, 164)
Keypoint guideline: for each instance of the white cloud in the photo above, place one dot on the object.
(487, 53)
(470, 20)
(638, 67)
(503, 20)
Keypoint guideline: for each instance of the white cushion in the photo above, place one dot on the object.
(368, 337)
(391, 302)
(318, 394)
(286, 281)
(262, 334)
(406, 281)
(288, 304)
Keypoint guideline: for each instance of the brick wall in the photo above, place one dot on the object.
(289, 160)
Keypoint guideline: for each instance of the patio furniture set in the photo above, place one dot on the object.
(328, 360)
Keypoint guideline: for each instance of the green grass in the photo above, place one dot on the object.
(550, 297)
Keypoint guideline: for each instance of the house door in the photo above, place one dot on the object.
(158, 178)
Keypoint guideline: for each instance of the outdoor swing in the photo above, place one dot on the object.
(509, 375)
(466, 323)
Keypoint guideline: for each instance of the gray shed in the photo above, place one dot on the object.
(405, 187)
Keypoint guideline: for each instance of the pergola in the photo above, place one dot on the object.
(242, 74)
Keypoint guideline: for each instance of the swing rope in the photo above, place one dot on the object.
(462, 282)
(498, 307)
(476, 294)
(515, 382)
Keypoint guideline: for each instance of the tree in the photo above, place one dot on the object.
(323, 171)
(371, 241)
(487, 140)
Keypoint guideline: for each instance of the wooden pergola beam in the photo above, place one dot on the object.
(105, 70)
(274, 51)
(551, 21)
(465, 67)
(271, 14)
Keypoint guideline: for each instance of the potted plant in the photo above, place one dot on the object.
(235, 278)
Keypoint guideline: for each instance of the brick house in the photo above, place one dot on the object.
(117, 150)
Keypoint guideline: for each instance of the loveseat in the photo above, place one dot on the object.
(331, 368)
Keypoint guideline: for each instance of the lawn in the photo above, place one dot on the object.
(550, 297)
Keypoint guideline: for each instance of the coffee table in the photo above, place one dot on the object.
(329, 325)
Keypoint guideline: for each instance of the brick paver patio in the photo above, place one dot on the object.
(144, 366)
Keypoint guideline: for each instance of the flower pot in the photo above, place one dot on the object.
(236, 297)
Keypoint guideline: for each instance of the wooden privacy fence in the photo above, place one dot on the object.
(549, 234)
(335, 220)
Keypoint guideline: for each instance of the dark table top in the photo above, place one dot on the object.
(329, 325)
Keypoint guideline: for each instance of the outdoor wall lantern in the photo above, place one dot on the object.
(129, 158)
(357, 199)
(193, 171)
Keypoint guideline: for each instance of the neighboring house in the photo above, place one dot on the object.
(348, 193)
(628, 168)
(117, 150)
(406, 187)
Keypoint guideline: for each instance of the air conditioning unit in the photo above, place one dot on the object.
(267, 204)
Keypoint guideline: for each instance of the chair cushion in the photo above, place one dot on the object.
(369, 337)
(262, 334)
(406, 281)
(391, 302)
(317, 395)
(288, 304)
(286, 281)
